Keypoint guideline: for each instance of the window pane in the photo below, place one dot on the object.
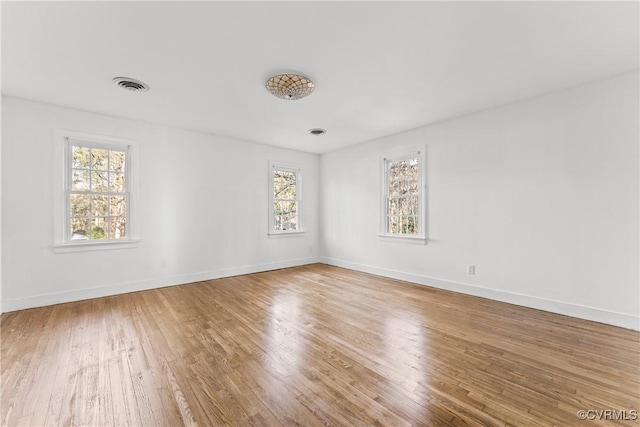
(116, 182)
(413, 186)
(99, 205)
(277, 216)
(116, 161)
(277, 178)
(285, 192)
(404, 187)
(393, 207)
(402, 207)
(278, 190)
(99, 228)
(284, 207)
(403, 225)
(394, 188)
(80, 157)
(394, 224)
(407, 206)
(285, 215)
(289, 221)
(404, 168)
(79, 228)
(80, 180)
(292, 207)
(289, 177)
(118, 206)
(282, 178)
(99, 181)
(412, 206)
(99, 159)
(394, 170)
(79, 205)
(117, 227)
(413, 167)
(411, 225)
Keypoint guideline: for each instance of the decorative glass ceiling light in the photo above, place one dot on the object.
(290, 86)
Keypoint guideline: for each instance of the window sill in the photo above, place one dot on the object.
(94, 246)
(277, 235)
(415, 240)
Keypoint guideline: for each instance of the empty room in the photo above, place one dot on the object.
(320, 213)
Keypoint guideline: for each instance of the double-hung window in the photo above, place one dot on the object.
(95, 201)
(98, 191)
(285, 199)
(403, 197)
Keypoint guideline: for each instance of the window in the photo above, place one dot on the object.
(97, 192)
(403, 197)
(285, 199)
(93, 193)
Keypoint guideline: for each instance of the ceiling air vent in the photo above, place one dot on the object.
(131, 84)
(317, 131)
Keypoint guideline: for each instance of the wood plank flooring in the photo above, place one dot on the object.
(312, 345)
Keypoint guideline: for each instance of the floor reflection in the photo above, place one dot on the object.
(284, 345)
(406, 348)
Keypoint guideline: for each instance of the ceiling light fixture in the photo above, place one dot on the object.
(133, 85)
(317, 131)
(290, 86)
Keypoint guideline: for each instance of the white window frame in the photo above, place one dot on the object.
(63, 139)
(384, 234)
(283, 166)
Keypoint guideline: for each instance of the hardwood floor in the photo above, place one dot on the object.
(311, 345)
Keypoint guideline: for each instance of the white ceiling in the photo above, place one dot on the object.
(379, 67)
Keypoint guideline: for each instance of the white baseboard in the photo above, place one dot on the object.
(583, 312)
(13, 304)
(568, 309)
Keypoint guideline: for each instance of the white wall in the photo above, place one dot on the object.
(541, 195)
(187, 181)
(1, 306)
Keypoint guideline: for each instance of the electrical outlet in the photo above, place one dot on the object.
(471, 269)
